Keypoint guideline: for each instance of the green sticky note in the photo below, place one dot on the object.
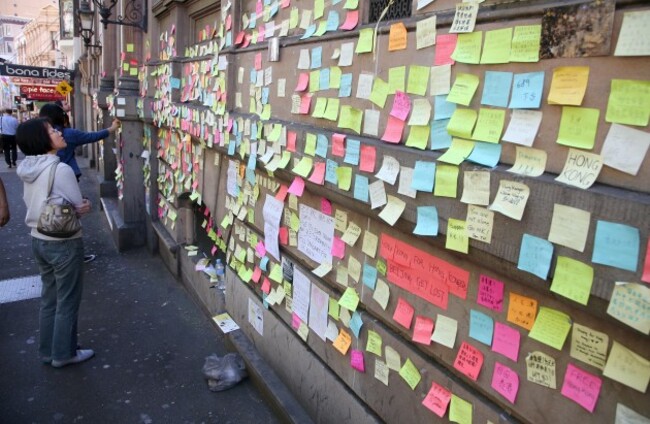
(303, 168)
(410, 374)
(468, 47)
(381, 267)
(275, 133)
(373, 345)
(489, 125)
(314, 81)
(525, 43)
(344, 176)
(365, 43)
(459, 151)
(629, 102)
(578, 127)
(496, 48)
(462, 123)
(463, 89)
(266, 113)
(446, 181)
(396, 77)
(319, 6)
(379, 92)
(276, 273)
(418, 136)
(349, 300)
(245, 274)
(460, 411)
(418, 80)
(332, 109)
(294, 222)
(351, 5)
(335, 77)
(133, 72)
(319, 108)
(130, 47)
(310, 144)
(350, 118)
(572, 279)
(293, 18)
(322, 28)
(333, 309)
(551, 327)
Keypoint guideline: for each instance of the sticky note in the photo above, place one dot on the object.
(540, 369)
(630, 304)
(568, 85)
(445, 46)
(525, 43)
(535, 256)
(486, 154)
(379, 92)
(506, 341)
(425, 32)
(527, 90)
(403, 314)
(578, 126)
(370, 242)
(625, 148)
(481, 327)
(529, 162)
(437, 399)
(422, 330)
(646, 267)
(460, 411)
(423, 176)
(389, 170)
(369, 276)
(377, 193)
(573, 279)
(463, 89)
(442, 108)
(625, 415)
(405, 181)
(589, 346)
(397, 37)
(511, 199)
(505, 381)
(461, 124)
(421, 112)
(368, 156)
(479, 223)
(356, 360)
(373, 345)
(393, 209)
(523, 127)
(342, 342)
(628, 368)
(381, 294)
(581, 169)
(445, 331)
(522, 310)
(469, 361)
(365, 43)
(427, 221)
(476, 187)
(489, 125)
(418, 80)
(396, 79)
(468, 48)
(581, 387)
(569, 227)
(355, 324)
(616, 245)
(496, 88)
(410, 374)
(629, 102)
(440, 80)
(446, 181)
(496, 48)
(490, 293)
(350, 118)
(457, 236)
(551, 327)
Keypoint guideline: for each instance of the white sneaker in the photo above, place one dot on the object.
(82, 355)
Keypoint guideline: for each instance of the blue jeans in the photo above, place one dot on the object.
(61, 267)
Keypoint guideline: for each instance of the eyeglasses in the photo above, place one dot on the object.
(55, 131)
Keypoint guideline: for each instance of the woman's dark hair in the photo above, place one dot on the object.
(33, 137)
(54, 113)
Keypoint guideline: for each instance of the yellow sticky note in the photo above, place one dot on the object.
(476, 187)
(628, 368)
(623, 305)
(379, 92)
(418, 136)
(551, 327)
(382, 293)
(397, 37)
(418, 80)
(396, 78)
(463, 89)
(462, 123)
(528, 161)
(365, 43)
(581, 169)
(496, 48)
(373, 345)
(420, 112)
(489, 125)
(458, 151)
(410, 374)
(446, 181)
(468, 47)
(350, 118)
(572, 279)
(629, 102)
(568, 85)
(569, 227)
(578, 127)
(460, 411)
(350, 299)
(457, 236)
(303, 168)
(479, 223)
(511, 199)
(342, 342)
(525, 43)
(589, 346)
(370, 242)
(393, 209)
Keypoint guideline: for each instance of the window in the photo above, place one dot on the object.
(399, 9)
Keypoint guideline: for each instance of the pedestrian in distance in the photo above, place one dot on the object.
(8, 125)
(60, 260)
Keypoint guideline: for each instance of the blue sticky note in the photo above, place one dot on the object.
(616, 245)
(321, 145)
(324, 79)
(231, 147)
(274, 9)
(424, 175)
(352, 150)
(481, 327)
(254, 131)
(535, 256)
(175, 82)
(267, 2)
(427, 223)
(332, 21)
(253, 77)
(356, 323)
(316, 57)
(253, 21)
(346, 85)
(440, 138)
(442, 109)
(311, 30)
(264, 263)
(496, 88)
(250, 175)
(487, 154)
(265, 95)
(235, 127)
(229, 39)
(361, 188)
(527, 90)
(264, 302)
(330, 172)
(252, 162)
(369, 276)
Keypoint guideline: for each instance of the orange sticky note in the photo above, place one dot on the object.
(397, 37)
(469, 361)
(342, 342)
(403, 313)
(522, 310)
(423, 330)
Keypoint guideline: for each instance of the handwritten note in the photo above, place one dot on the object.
(479, 223)
(581, 387)
(422, 330)
(625, 98)
(425, 32)
(589, 346)
(445, 331)
(529, 162)
(469, 361)
(527, 91)
(481, 327)
(630, 304)
(578, 127)
(506, 341)
(525, 43)
(569, 227)
(634, 37)
(581, 169)
(505, 381)
(625, 148)
(511, 199)
(540, 369)
(457, 236)
(437, 399)
(403, 314)
(490, 293)
(460, 411)
(573, 279)
(616, 245)
(568, 85)
(628, 367)
(523, 127)
(476, 188)
(522, 310)
(463, 89)
(397, 37)
(496, 48)
(535, 256)
(410, 374)
(551, 327)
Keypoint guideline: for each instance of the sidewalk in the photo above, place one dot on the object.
(149, 337)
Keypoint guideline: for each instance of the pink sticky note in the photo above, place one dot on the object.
(338, 145)
(356, 360)
(283, 234)
(257, 273)
(266, 286)
(646, 267)
(351, 20)
(401, 106)
(338, 247)
(247, 40)
(259, 8)
(505, 381)
(445, 46)
(213, 250)
(506, 341)
(305, 103)
(258, 61)
(284, 4)
(403, 313)
(240, 37)
(469, 361)
(295, 321)
(318, 175)
(490, 293)
(368, 158)
(437, 399)
(228, 22)
(282, 193)
(423, 330)
(581, 387)
(297, 186)
(325, 206)
(394, 130)
(291, 141)
(260, 249)
(303, 81)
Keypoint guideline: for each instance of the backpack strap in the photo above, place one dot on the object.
(50, 182)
